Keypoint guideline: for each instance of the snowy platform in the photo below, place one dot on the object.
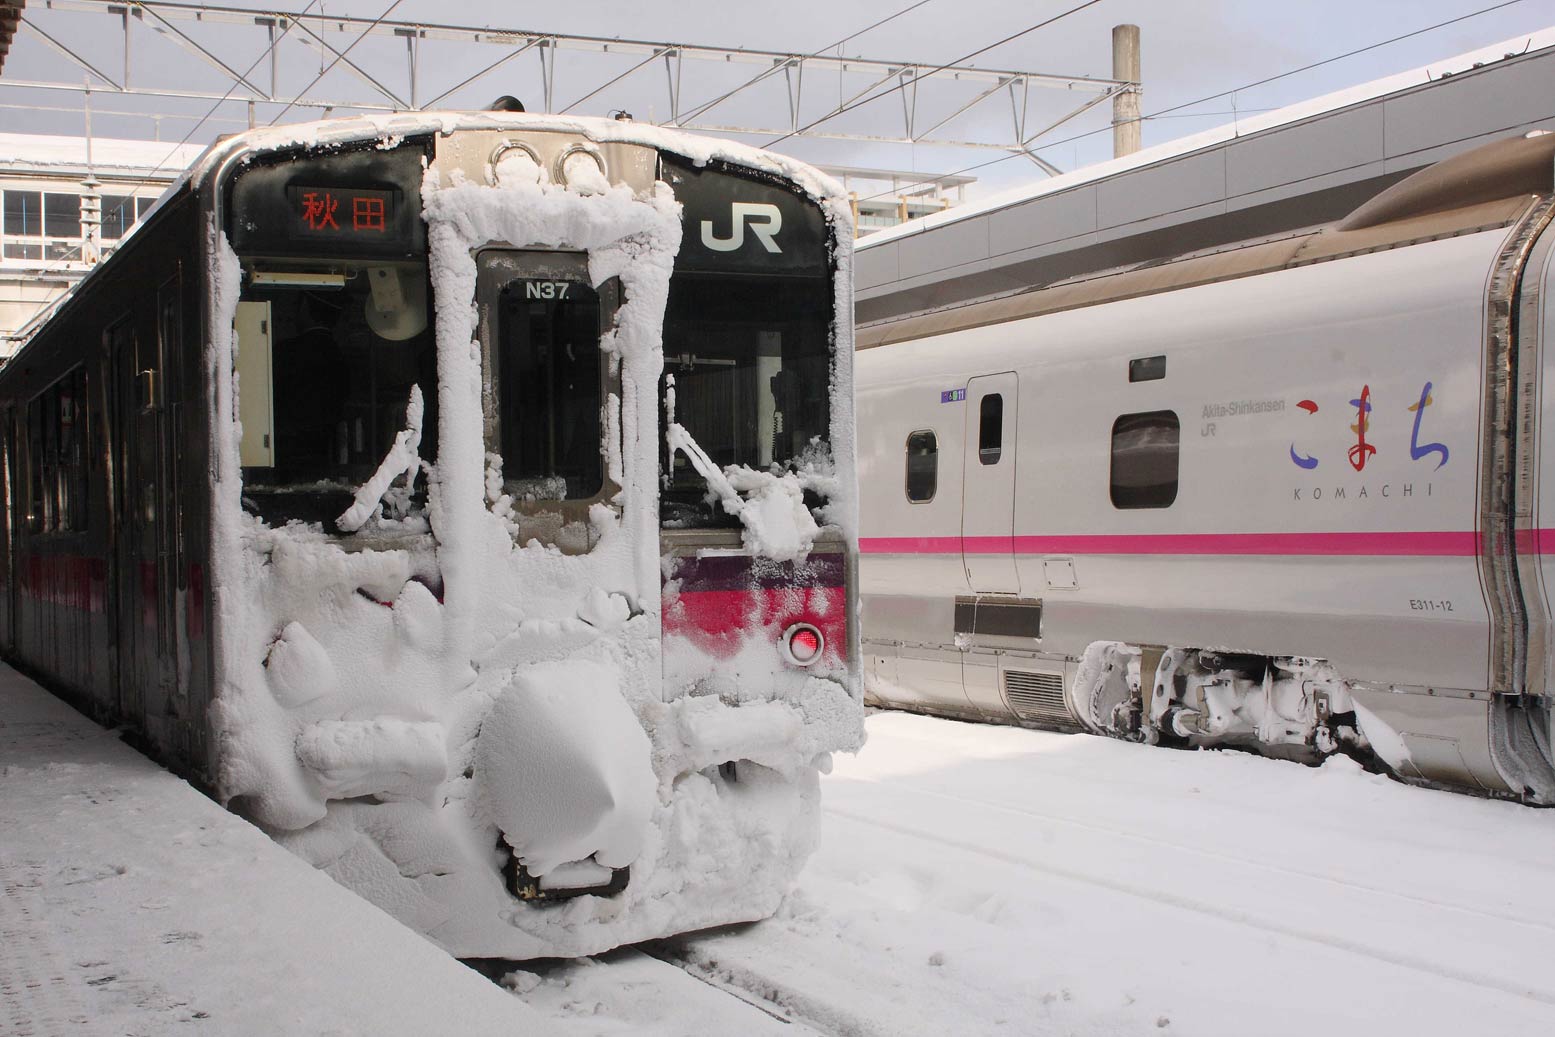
(133, 904)
(970, 880)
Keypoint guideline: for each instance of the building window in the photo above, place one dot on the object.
(118, 216)
(21, 217)
(1145, 450)
(121, 212)
(922, 466)
(990, 428)
(62, 216)
(38, 225)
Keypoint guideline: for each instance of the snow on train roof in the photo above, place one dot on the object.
(391, 128)
(1230, 131)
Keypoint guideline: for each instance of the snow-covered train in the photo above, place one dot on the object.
(1291, 495)
(468, 499)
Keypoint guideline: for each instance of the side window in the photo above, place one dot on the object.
(1145, 451)
(922, 466)
(35, 520)
(990, 428)
(73, 453)
(51, 481)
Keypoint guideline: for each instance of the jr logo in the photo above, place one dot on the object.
(765, 220)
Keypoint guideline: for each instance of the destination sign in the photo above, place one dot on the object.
(351, 204)
(341, 212)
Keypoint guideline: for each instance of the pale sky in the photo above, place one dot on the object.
(1191, 48)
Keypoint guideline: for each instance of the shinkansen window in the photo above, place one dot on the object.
(922, 466)
(1145, 450)
(990, 428)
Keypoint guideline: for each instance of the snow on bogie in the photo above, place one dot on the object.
(479, 626)
(1289, 707)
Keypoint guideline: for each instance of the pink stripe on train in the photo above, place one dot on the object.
(1443, 544)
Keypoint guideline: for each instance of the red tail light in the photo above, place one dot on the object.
(802, 644)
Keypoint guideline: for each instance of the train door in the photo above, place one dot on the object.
(135, 526)
(8, 597)
(162, 392)
(988, 488)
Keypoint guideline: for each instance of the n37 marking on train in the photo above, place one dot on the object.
(546, 289)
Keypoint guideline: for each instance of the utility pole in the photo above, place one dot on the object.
(1125, 103)
(91, 198)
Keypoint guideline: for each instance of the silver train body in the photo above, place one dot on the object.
(1290, 496)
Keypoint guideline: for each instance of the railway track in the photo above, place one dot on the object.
(787, 1006)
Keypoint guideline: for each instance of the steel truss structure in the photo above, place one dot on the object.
(928, 98)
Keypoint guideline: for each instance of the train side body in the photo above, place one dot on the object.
(1309, 535)
(106, 565)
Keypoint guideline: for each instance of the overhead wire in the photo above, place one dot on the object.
(339, 57)
(776, 68)
(1168, 112)
(842, 109)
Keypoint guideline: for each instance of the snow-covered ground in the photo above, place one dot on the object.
(970, 880)
(980, 879)
(134, 905)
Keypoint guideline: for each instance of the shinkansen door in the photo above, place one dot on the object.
(988, 489)
(548, 390)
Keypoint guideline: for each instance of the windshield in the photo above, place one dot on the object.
(326, 361)
(751, 361)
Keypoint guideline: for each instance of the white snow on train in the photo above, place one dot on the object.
(406, 717)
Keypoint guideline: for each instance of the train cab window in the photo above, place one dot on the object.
(922, 466)
(549, 397)
(326, 360)
(990, 428)
(751, 362)
(1145, 450)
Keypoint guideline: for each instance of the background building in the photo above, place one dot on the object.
(65, 202)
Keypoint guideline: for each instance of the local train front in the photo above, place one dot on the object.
(534, 519)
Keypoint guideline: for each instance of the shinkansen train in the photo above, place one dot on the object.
(1290, 496)
(469, 500)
